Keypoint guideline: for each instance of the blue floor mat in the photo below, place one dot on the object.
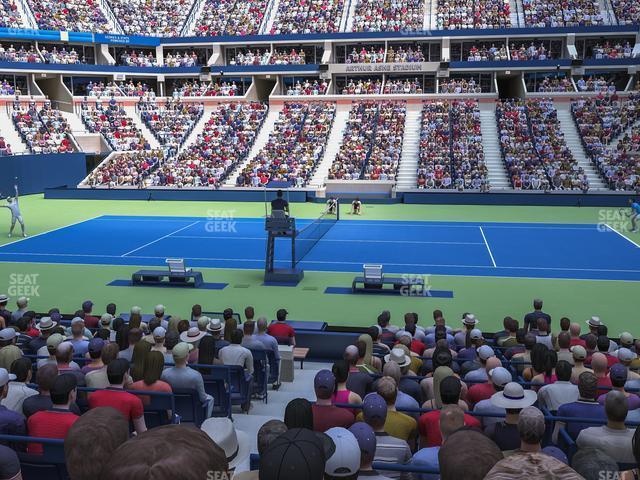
(204, 286)
(348, 291)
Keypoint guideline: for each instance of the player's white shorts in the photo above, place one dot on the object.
(18, 218)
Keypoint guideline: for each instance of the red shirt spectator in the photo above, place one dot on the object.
(130, 405)
(281, 330)
(478, 392)
(429, 427)
(49, 424)
(329, 416)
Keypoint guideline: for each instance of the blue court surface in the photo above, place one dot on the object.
(531, 250)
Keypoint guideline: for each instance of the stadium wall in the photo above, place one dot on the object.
(35, 173)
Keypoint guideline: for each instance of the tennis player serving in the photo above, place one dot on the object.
(635, 212)
(14, 206)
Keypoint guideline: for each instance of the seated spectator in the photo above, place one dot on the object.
(599, 366)
(54, 423)
(366, 55)
(180, 376)
(84, 457)
(467, 454)
(308, 87)
(11, 423)
(499, 377)
(404, 54)
(9, 352)
(323, 16)
(618, 378)
(530, 460)
(552, 396)
(282, 331)
(153, 367)
(579, 356)
(73, 15)
(236, 354)
(556, 14)
(614, 438)
(62, 56)
(325, 414)
(299, 414)
(99, 378)
(45, 378)
(303, 451)
(290, 57)
(138, 59)
(585, 407)
(18, 390)
(389, 449)
(128, 405)
(513, 399)
(250, 57)
(342, 394)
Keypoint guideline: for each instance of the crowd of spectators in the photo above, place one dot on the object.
(42, 128)
(138, 59)
(482, 397)
(559, 13)
(62, 56)
(356, 143)
(9, 14)
(290, 57)
(627, 11)
(137, 89)
(555, 85)
(460, 85)
(151, 17)
(485, 53)
(525, 168)
(214, 88)
(294, 148)
(308, 87)
(125, 169)
(225, 141)
(596, 84)
(117, 128)
(402, 87)
(250, 57)
(386, 150)
(228, 17)
(366, 55)
(308, 16)
(561, 167)
(451, 153)
(462, 14)
(362, 87)
(389, 16)
(612, 50)
(102, 90)
(185, 59)
(600, 121)
(170, 122)
(402, 54)
(532, 52)
(71, 15)
(372, 142)
(7, 88)
(12, 54)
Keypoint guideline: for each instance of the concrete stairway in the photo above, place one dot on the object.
(607, 12)
(498, 176)
(261, 140)
(574, 142)
(191, 22)
(140, 125)
(333, 146)
(346, 23)
(408, 168)
(75, 122)
(273, 13)
(513, 13)
(10, 134)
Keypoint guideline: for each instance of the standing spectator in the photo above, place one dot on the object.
(283, 333)
(513, 399)
(54, 423)
(18, 390)
(9, 352)
(530, 319)
(614, 438)
(129, 405)
(389, 449)
(560, 392)
(11, 423)
(585, 407)
(325, 414)
(181, 376)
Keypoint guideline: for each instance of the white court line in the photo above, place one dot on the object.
(205, 237)
(623, 236)
(49, 231)
(488, 248)
(322, 262)
(161, 238)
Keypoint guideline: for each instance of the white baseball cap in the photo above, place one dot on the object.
(6, 377)
(345, 460)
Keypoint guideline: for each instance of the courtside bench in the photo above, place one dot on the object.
(177, 275)
(414, 284)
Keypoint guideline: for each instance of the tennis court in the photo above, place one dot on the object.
(529, 250)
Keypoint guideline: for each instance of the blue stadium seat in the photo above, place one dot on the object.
(48, 466)
(260, 374)
(188, 406)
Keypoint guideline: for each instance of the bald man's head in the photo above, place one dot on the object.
(351, 354)
(599, 363)
(493, 362)
(451, 420)
(392, 369)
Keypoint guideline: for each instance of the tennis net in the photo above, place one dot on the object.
(310, 235)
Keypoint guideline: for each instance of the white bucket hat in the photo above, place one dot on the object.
(235, 443)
